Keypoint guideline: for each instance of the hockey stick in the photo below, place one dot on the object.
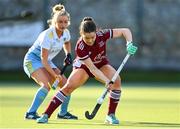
(101, 99)
(56, 82)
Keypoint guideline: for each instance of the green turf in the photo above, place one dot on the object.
(140, 107)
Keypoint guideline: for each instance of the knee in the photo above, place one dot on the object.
(67, 89)
(46, 85)
(117, 84)
(64, 80)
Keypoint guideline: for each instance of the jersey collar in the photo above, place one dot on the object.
(55, 34)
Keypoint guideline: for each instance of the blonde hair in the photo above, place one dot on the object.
(58, 10)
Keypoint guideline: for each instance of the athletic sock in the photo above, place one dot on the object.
(64, 107)
(113, 101)
(55, 102)
(38, 99)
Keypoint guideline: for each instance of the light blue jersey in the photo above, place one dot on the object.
(49, 40)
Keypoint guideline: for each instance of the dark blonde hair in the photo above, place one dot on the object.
(58, 10)
(87, 25)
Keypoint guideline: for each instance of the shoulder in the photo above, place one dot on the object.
(81, 50)
(80, 45)
(48, 34)
(103, 32)
(66, 35)
(66, 32)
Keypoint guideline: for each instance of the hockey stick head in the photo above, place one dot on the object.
(96, 108)
(94, 112)
(88, 116)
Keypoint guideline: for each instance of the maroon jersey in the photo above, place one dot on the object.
(97, 52)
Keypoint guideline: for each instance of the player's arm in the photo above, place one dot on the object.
(126, 33)
(44, 58)
(67, 47)
(95, 71)
(67, 50)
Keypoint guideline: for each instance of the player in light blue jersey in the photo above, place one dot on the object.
(38, 63)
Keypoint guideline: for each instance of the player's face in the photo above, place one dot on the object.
(62, 23)
(89, 38)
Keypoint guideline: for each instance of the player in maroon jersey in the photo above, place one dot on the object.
(91, 61)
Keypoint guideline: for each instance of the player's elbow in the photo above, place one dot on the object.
(117, 84)
(68, 88)
(126, 30)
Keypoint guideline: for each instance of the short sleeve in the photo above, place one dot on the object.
(45, 42)
(81, 51)
(107, 34)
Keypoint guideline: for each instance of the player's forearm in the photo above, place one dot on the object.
(95, 71)
(49, 69)
(67, 48)
(125, 32)
(99, 75)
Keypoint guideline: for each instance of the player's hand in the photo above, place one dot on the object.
(131, 48)
(57, 71)
(68, 59)
(110, 85)
(59, 78)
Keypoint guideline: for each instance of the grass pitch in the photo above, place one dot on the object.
(140, 107)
